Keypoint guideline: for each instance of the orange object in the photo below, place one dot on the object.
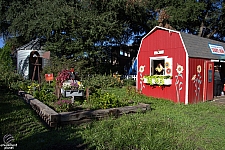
(72, 69)
(49, 77)
(224, 87)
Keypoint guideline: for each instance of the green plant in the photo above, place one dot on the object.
(103, 100)
(63, 105)
(32, 87)
(156, 79)
(102, 81)
(73, 85)
(8, 76)
(63, 76)
(45, 95)
(129, 82)
(167, 126)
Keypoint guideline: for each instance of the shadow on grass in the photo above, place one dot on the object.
(29, 130)
(54, 139)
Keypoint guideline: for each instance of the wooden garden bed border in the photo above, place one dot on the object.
(54, 119)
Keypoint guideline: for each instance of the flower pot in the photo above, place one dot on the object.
(68, 93)
(165, 81)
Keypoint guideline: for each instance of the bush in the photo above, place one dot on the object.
(63, 105)
(46, 94)
(129, 82)
(104, 100)
(7, 69)
(102, 81)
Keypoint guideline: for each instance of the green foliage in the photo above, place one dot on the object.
(74, 27)
(46, 94)
(56, 65)
(156, 79)
(63, 105)
(129, 82)
(167, 126)
(22, 85)
(102, 81)
(104, 100)
(7, 69)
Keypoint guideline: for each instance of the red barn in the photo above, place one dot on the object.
(178, 66)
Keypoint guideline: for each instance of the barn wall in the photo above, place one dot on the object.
(196, 82)
(171, 43)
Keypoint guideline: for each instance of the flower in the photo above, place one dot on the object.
(142, 69)
(79, 83)
(179, 69)
(81, 87)
(66, 85)
(168, 71)
(74, 84)
(167, 64)
(194, 77)
(63, 76)
(199, 68)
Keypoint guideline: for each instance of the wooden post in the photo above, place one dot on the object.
(57, 91)
(87, 93)
(72, 99)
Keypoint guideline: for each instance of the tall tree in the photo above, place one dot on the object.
(201, 17)
(72, 27)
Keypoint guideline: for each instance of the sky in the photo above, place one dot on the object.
(1, 43)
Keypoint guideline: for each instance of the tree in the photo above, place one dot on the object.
(202, 17)
(92, 26)
(71, 26)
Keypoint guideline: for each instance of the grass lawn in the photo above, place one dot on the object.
(168, 126)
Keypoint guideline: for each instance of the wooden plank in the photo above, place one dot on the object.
(45, 112)
(76, 122)
(44, 109)
(53, 118)
(101, 113)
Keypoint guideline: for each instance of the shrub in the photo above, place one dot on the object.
(104, 100)
(129, 82)
(102, 81)
(63, 105)
(7, 69)
(45, 96)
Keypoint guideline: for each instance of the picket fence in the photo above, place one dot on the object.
(134, 77)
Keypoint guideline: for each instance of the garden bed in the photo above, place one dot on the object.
(54, 119)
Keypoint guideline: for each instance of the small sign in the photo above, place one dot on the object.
(209, 75)
(49, 77)
(158, 52)
(216, 49)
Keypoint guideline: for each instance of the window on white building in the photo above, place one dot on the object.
(121, 52)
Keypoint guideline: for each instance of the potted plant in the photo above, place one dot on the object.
(72, 88)
(158, 80)
(69, 86)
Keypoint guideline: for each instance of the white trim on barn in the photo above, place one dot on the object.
(187, 70)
